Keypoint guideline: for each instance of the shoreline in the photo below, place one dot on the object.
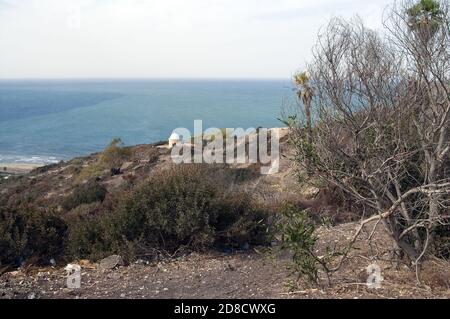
(17, 168)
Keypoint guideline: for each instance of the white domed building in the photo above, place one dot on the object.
(174, 139)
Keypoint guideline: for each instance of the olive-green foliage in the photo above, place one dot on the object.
(29, 233)
(114, 154)
(89, 236)
(187, 205)
(298, 237)
(425, 9)
(91, 171)
(195, 207)
(87, 193)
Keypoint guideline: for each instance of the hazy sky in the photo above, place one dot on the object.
(165, 38)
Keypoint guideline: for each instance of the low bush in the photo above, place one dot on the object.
(184, 206)
(91, 171)
(114, 154)
(87, 193)
(112, 157)
(298, 237)
(25, 191)
(29, 233)
(89, 238)
(196, 207)
(89, 234)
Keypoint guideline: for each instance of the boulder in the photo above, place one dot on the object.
(111, 262)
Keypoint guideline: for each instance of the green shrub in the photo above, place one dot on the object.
(90, 231)
(88, 238)
(184, 206)
(241, 220)
(298, 236)
(91, 171)
(187, 206)
(197, 207)
(112, 157)
(87, 193)
(114, 154)
(29, 233)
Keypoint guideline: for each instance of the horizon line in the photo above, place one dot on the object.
(146, 79)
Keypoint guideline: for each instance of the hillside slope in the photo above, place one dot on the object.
(245, 272)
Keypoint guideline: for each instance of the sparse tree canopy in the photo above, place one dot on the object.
(382, 134)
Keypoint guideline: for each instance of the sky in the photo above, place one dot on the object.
(261, 39)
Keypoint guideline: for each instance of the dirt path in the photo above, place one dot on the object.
(242, 275)
(195, 276)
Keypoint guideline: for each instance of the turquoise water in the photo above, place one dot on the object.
(48, 121)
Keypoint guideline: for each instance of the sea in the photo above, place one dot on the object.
(46, 121)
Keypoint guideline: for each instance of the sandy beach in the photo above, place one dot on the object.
(16, 168)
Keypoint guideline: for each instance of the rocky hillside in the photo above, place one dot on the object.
(231, 265)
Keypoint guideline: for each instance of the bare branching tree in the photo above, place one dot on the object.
(382, 131)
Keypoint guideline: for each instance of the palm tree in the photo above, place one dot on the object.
(305, 94)
(425, 18)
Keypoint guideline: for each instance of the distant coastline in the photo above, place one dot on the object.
(9, 160)
(17, 168)
(44, 122)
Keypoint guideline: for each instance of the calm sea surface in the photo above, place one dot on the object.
(47, 121)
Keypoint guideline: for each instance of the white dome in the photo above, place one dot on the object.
(174, 136)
